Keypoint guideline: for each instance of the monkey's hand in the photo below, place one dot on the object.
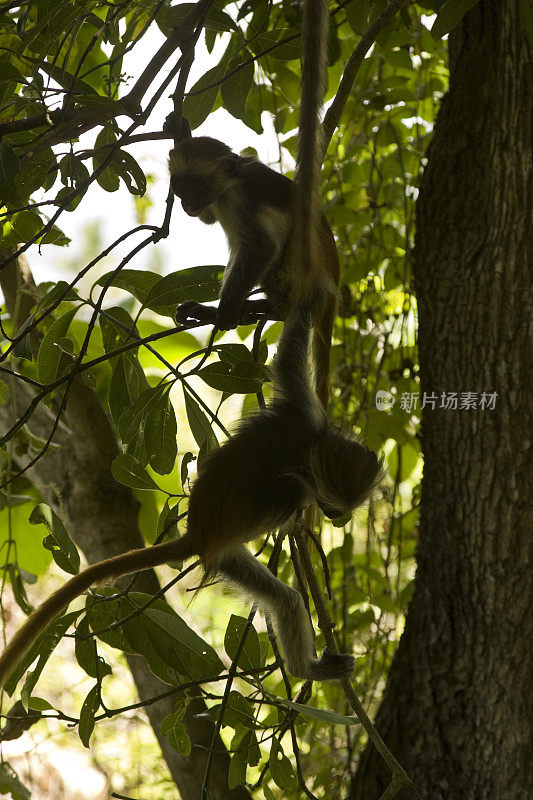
(255, 310)
(228, 316)
(249, 312)
(191, 312)
(332, 666)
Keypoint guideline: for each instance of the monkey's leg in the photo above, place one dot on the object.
(292, 622)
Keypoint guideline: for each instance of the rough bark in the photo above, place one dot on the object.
(101, 517)
(456, 702)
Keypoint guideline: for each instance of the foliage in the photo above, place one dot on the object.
(53, 89)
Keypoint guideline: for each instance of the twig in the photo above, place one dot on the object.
(401, 778)
(334, 112)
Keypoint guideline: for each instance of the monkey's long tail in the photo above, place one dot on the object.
(133, 561)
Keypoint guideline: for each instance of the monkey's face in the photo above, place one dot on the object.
(194, 192)
(332, 512)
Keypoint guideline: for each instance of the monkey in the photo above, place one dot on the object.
(254, 204)
(270, 481)
(279, 460)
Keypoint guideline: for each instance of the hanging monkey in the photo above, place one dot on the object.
(280, 460)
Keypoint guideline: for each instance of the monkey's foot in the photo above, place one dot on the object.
(332, 666)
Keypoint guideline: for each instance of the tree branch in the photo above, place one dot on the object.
(334, 112)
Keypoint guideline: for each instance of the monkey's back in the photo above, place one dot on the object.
(252, 483)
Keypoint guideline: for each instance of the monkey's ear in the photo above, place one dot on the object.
(231, 165)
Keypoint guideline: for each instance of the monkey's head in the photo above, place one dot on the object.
(344, 473)
(201, 171)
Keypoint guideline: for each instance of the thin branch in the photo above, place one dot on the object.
(326, 626)
(334, 112)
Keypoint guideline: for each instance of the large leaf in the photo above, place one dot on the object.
(90, 706)
(236, 87)
(127, 470)
(42, 647)
(450, 14)
(59, 543)
(160, 436)
(241, 378)
(250, 656)
(49, 353)
(200, 284)
(172, 649)
(198, 423)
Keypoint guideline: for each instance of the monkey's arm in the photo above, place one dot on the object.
(251, 311)
(256, 254)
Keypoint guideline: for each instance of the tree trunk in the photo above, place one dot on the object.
(455, 707)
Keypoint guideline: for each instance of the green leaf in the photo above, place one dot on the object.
(137, 282)
(239, 712)
(58, 542)
(237, 769)
(90, 706)
(198, 423)
(200, 100)
(118, 328)
(19, 591)
(108, 179)
(200, 284)
(400, 59)
(54, 236)
(160, 435)
(167, 524)
(184, 471)
(133, 420)
(286, 51)
(9, 167)
(358, 14)
(10, 784)
(49, 353)
(58, 291)
(36, 172)
(250, 657)
(4, 393)
(127, 470)
(173, 651)
(129, 170)
(193, 656)
(173, 727)
(281, 768)
(72, 170)
(241, 378)
(42, 647)
(127, 382)
(215, 20)
(8, 72)
(26, 225)
(450, 14)
(321, 714)
(235, 89)
(87, 654)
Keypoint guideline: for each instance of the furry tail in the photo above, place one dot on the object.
(134, 561)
